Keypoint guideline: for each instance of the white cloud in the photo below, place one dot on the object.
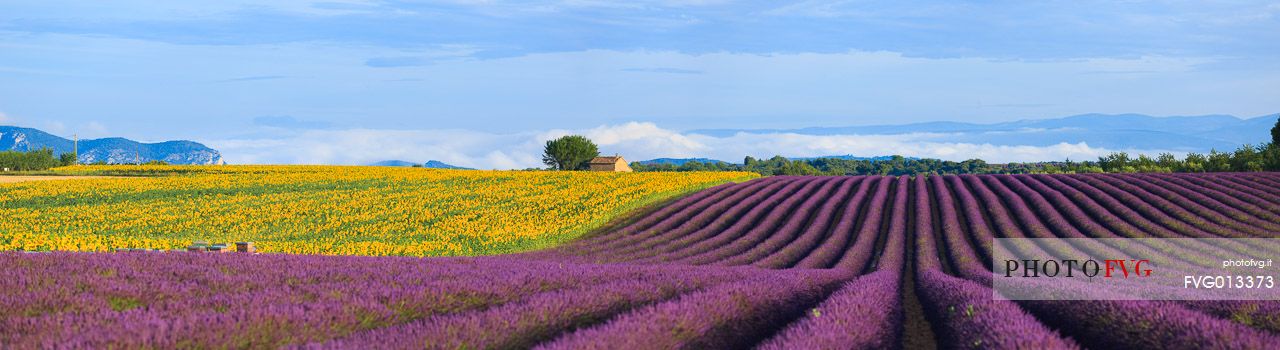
(634, 137)
(923, 145)
(55, 127)
(94, 129)
(4, 118)
(635, 140)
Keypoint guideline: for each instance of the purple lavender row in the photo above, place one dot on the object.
(966, 316)
(1241, 200)
(894, 256)
(1260, 314)
(1057, 207)
(1072, 201)
(963, 312)
(858, 255)
(964, 258)
(1080, 218)
(978, 230)
(1053, 213)
(1084, 321)
(1247, 201)
(1043, 183)
(730, 316)
(109, 286)
(541, 317)
(1153, 221)
(969, 267)
(1266, 182)
(1242, 182)
(1237, 181)
(1200, 207)
(836, 245)
(818, 229)
(1129, 324)
(1035, 213)
(1058, 317)
(1045, 196)
(812, 218)
(966, 261)
(1177, 249)
(1148, 324)
(865, 313)
(777, 227)
(120, 296)
(711, 223)
(1015, 216)
(928, 255)
(1205, 206)
(1001, 215)
(1257, 314)
(693, 218)
(1029, 225)
(674, 211)
(664, 223)
(1144, 199)
(1120, 219)
(758, 222)
(747, 213)
(1262, 196)
(82, 300)
(1259, 182)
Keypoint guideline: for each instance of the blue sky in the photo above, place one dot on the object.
(258, 80)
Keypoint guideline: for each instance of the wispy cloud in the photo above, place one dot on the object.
(4, 118)
(94, 129)
(289, 122)
(1014, 105)
(55, 126)
(253, 78)
(403, 61)
(419, 57)
(918, 28)
(1120, 72)
(666, 70)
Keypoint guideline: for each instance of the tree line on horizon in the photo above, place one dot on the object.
(44, 159)
(1264, 157)
(35, 160)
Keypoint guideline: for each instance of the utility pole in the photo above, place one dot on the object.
(75, 148)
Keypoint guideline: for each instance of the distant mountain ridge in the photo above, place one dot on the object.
(395, 162)
(432, 164)
(112, 150)
(1113, 131)
(435, 164)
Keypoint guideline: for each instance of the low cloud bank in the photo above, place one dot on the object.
(635, 140)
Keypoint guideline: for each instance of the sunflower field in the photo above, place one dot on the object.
(335, 210)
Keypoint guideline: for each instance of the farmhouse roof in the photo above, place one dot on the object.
(604, 160)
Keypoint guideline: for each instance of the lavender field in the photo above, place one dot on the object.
(775, 263)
